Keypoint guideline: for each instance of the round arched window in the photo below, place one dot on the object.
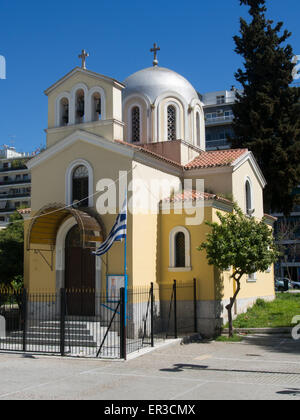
(80, 183)
(135, 124)
(180, 249)
(248, 197)
(171, 122)
(198, 129)
(64, 112)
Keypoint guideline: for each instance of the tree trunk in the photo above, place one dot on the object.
(232, 301)
(229, 308)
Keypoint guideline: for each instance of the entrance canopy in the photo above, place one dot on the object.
(47, 221)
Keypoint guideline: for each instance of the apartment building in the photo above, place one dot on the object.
(218, 118)
(15, 182)
(218, 126)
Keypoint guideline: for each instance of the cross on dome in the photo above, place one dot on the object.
(154, 50)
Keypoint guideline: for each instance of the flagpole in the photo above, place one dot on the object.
(125, 262)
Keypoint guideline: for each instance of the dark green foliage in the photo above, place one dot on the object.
(267, 114)
(12, 252)
(240, 241)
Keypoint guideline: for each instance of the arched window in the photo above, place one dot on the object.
(96, 107)
(63, 112)
(135, 124)
(198, 128)
(180, 259)
(171, 122)
(248, 193)
(80, 186)
(179, 249)
(79, 107)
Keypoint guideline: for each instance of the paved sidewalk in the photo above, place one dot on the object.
(261, 367)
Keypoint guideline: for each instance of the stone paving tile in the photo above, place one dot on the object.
(257, 368)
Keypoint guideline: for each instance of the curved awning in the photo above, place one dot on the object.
(46, 222)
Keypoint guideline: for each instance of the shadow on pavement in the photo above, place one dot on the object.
(180, 367)
(274, 343)
(290, 391)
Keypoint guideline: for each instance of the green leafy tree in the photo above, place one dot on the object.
(241, 242)
(267, 114)
(12, 252)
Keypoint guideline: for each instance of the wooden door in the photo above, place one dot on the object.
(79, 276)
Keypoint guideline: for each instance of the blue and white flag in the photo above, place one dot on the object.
(117, 233)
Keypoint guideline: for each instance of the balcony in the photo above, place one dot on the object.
(14, 195)
(217, 144)
(219, 120)
(13, 182)
(14, 168)
(8, 210)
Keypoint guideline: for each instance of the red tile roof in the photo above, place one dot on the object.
(215, 158)
(212, 159)
(269, 216)
(149, 152)
(193, 195)
(24, 211)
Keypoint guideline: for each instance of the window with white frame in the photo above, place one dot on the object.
(96, 107)
(135, 124)
(248, 194)
(79, 183)
(80, 186)
(63, 111)
(179, 249)
(252, 277)
(79, 106)
(198, 128)
(171, 120)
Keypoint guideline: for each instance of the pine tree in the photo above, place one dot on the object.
(267, 112)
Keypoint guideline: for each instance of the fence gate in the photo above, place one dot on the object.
(122, 323)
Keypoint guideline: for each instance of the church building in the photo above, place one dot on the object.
(147, 133)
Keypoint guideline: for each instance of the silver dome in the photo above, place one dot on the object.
(155, 81)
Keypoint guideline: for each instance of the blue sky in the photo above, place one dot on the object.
(41, 41)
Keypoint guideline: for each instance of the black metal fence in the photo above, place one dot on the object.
(86, 323)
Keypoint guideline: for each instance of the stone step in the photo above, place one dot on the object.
(48, 341)
(77, 333)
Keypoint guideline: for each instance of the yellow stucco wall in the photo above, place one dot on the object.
(216, 181)
(231, 184)
(108, 128)
(48, 179)
(200, 270)
(146, 227)
(143, 119)
(239, 178)
(211, 284)
(263, 286)
(49, 186)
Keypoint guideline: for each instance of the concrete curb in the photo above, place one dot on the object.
(285, 330)
(147, 350)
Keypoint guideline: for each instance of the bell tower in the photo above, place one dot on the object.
(84, 100)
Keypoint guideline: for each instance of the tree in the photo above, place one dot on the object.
(241, 242)
(12, 252)
(266, 113)
(286, 233)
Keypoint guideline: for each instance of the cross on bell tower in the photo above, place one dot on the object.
(154, 50)
(83, 57)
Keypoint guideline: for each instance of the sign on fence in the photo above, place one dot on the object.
(2, 327)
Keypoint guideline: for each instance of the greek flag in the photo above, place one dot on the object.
(117, 233)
